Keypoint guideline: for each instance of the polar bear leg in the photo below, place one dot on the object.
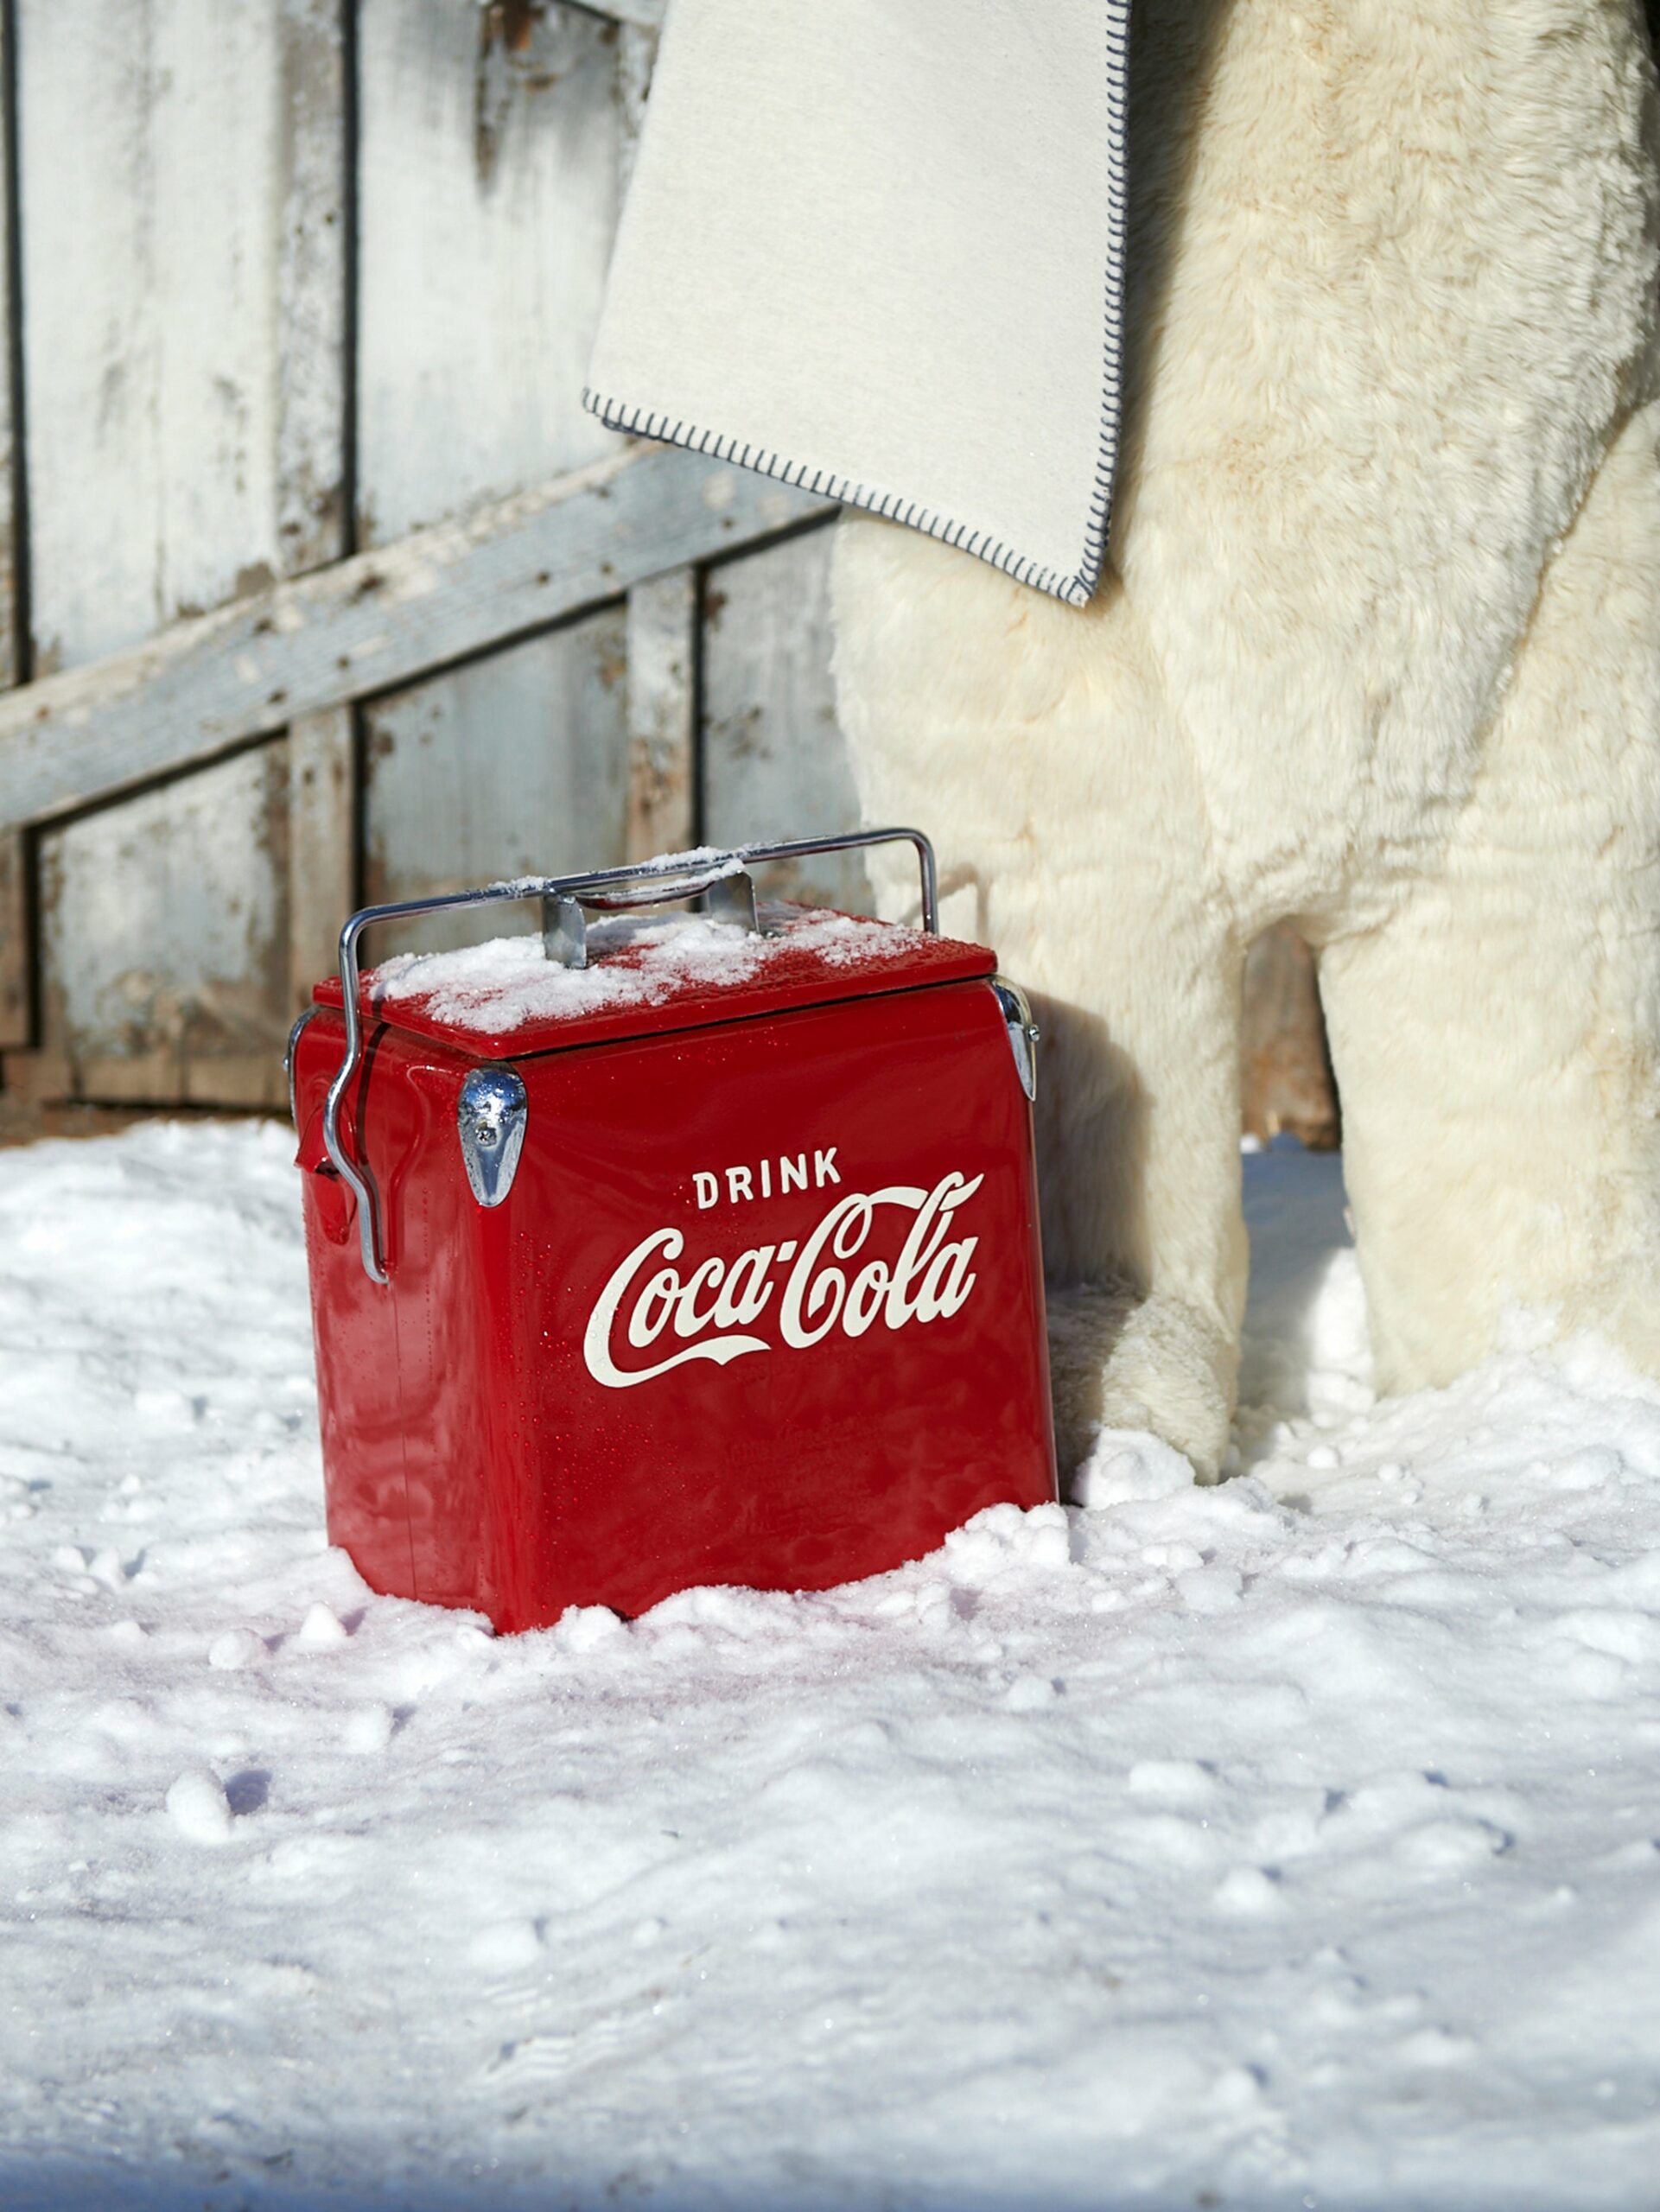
(1497, 1040)
(1033, 743)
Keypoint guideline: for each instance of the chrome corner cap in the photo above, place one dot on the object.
(1023, 1031)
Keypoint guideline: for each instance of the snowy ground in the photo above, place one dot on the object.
(1292, 1843)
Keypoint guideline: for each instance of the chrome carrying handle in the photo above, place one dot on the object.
(722, 878)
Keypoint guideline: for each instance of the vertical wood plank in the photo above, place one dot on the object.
(311, 286)
(775, 762)
(16, 952)
(322, 844)
(636, 58)
(15, 993)
(663, 616)
(662, 715)
(515, 766)
(165, 941)
(13, 549)
(313, 494)
(185, 357)
(488, 195)
(150, 265)
(487, 199)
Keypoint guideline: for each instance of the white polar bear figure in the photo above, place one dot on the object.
(1378, 650)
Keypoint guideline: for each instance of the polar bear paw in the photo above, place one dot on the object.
(1125, 1367)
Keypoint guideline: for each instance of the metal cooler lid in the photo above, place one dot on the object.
(506, 998)
(584, 982)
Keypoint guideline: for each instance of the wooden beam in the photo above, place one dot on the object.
(381, 619)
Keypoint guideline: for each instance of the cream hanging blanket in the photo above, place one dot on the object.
(876, 247)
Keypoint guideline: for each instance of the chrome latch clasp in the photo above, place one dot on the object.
(489, 1118)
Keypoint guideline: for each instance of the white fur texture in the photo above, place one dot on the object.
(1379, 651)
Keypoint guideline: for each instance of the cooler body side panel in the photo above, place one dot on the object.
(763, 1305)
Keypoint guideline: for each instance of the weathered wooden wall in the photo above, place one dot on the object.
(313, 298)
(315, 581)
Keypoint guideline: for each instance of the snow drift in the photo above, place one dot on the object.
(1292, 1842)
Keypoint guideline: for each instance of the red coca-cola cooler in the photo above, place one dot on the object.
(647, 1252)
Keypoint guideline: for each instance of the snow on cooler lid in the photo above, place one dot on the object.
(681, 971)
